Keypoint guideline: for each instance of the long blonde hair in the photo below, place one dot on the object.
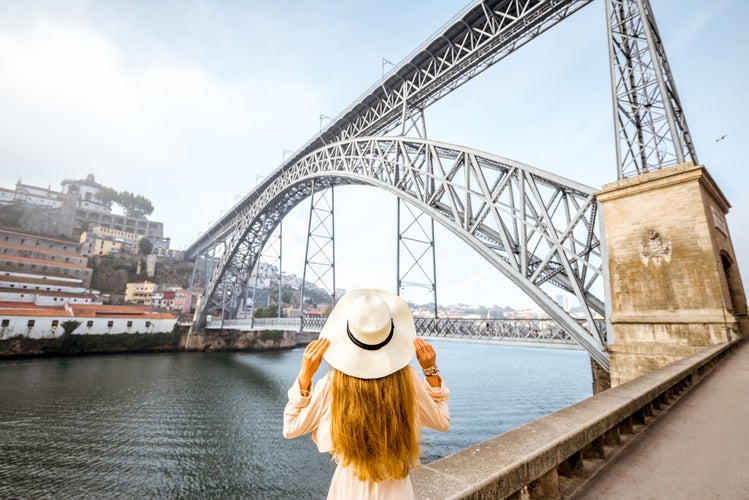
(374, 425)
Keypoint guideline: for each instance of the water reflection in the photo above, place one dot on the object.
(198, 425)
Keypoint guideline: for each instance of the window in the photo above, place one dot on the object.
(30, 323)
(90, 323)
(5, 323)
(129, 324)
(148, 324)
(110, 324)
(55, 322)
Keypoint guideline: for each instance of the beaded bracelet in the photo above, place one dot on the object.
(432, 370)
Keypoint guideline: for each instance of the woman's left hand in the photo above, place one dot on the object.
(311, 360)
(425, 353)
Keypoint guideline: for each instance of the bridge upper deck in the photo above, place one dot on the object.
(476, 38)
(544, 332)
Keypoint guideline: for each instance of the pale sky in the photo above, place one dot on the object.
(189, 103)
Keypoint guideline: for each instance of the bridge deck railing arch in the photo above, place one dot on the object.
(530, 331)
(537, 228)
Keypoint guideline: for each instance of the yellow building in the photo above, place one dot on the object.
(104, 240)
(140, 293)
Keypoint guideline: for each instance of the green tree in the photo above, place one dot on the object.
(68, 327)
(135, 205)
(145, 246)
(107, 196)
(10, 214)
(266, 312)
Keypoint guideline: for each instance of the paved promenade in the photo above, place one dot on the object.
(699, 449)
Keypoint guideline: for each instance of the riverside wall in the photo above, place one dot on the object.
(178, 340)
(552, 457)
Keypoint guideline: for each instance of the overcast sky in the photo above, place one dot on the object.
(189, 103)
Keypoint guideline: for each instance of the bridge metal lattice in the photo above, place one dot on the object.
(651, 133)
(319, 255)
(538, 229)
(651, 130)
(416, 256)
(507, 331)
(478, 37)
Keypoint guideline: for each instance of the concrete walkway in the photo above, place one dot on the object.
(699, 449)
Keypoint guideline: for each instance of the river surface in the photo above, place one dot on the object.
(208, 425)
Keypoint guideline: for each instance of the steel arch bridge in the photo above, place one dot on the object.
(537, 228)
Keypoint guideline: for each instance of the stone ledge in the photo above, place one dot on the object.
(708, 316)
(502, 466)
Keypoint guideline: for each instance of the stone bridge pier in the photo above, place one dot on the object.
(674, 278)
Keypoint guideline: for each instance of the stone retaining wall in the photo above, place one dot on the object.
(549, 456)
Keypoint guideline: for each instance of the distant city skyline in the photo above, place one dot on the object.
(191, 104)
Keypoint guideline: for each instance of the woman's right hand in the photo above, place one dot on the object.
(425, 353)
(311, 360)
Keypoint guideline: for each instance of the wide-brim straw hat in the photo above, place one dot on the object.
(371, 334)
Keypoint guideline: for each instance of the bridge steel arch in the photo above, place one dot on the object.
(537, 228)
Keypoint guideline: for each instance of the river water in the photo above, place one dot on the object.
(208, 425)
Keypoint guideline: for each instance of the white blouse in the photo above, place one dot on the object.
(312, 414)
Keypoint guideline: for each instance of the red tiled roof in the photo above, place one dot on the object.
(26, 309)
(68, 242)
(115, 311)
(47, 293)
(53, 263)
(34, 312)
(49, 281)
(39, 249)
(80, 311)
(11, 304)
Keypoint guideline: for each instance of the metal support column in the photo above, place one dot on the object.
(268, 267)
(650, 127)
(319, 256)
(415, 228)
(416, 259)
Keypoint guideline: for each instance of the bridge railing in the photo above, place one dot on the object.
(534, 460)
(248, 324)
(540, 330)
(525, 330)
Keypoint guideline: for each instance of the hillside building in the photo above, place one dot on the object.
(45, 282)
(173, 298)
(39, 257)
(46, 321)
(74, 209)
(140, 292)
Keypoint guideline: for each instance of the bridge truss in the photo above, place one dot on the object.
(527, 332)
(536, 228)
(651, 133)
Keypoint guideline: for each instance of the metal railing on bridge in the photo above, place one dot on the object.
(527, 331)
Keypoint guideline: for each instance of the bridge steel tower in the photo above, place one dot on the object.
(528, 238)
(675, 286)
(478, 37)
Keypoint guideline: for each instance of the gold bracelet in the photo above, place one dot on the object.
(304, 393)
(432, 370)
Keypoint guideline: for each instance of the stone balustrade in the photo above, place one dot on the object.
(552, 456)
